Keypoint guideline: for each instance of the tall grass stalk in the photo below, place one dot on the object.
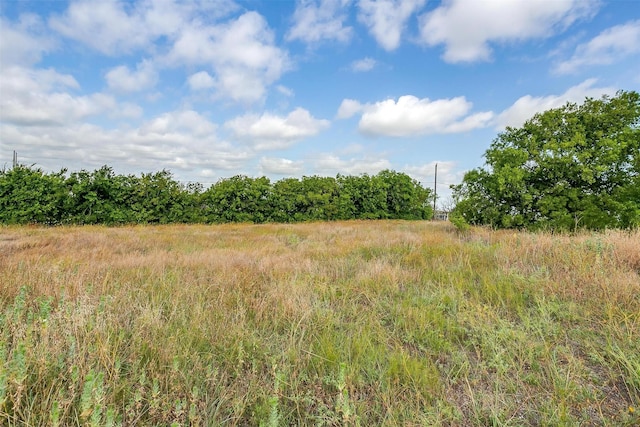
(346, 323)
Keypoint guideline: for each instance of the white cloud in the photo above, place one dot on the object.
(280, 166)
(201, 81)
(332, 164)
(41, 97)
(121, 79)
(23, 43)
(316, 21)
(127, 110)
(178, 140)
(118, 28)
(608, 47)
(225, 157)
(242, 53)
(386, 19)
(187, 122)
(474, 121)
(271, 132)
(288, 92)
(467, 27)
(410, 116)
(362, 65)
(348, 108)
(18, 81)
(527, 106)
(105, 26)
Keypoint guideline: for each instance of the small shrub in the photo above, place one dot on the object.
(459, 222)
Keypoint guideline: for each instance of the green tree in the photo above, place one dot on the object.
(406, 198)
(158, 198)
(312, 198)
(577, 166)
(362, 197)
(29, 195)
(99, 197)
(286, 201)
(238, 199)
(319, 198)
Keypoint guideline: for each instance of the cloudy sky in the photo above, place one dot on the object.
(210, 89)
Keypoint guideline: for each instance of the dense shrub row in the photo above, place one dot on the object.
(29, 195)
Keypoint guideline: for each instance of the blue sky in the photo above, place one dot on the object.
(210, 89)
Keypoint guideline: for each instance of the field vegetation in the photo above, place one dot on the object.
(342, 323)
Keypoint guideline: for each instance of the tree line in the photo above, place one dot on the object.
(567, 168)
(574, 167)
(28, 195)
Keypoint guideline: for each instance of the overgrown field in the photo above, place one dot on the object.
(347, 323)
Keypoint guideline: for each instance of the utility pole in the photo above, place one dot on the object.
(435, 191)
(15, 159)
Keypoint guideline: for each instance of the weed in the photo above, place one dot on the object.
(348, 323)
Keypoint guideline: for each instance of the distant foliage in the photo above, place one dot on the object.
(565, 169)
(30, 196)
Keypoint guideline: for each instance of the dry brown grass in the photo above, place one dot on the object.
(380, 322)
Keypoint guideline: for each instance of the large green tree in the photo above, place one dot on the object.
(573, 167)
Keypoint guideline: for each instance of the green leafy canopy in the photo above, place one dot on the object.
(29, 195)
(568, 168)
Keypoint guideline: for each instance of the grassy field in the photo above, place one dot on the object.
(349, 323)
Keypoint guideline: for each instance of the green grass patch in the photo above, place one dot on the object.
(353, 323)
